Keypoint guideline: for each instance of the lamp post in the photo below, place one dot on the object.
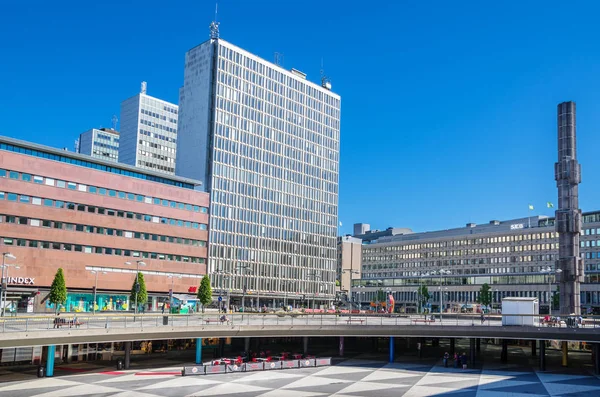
(137, 283)
(172, 277)
(95, 290)
(4, 281)
(420, 290)
(441, 272)
(548, 270)
(286, 286)
(351, 271)
(225, 275)
(6, 288)
(314, 276)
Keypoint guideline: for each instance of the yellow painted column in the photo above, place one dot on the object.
(565, 353)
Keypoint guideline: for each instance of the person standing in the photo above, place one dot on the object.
(446, 357)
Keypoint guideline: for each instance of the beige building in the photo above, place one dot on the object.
(349, 261)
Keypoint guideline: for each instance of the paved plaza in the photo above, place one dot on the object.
(355, 377)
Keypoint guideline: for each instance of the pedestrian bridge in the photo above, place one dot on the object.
(45, 330)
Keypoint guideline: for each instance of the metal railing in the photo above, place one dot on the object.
(66, 322)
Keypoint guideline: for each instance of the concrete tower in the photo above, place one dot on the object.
(567, 173)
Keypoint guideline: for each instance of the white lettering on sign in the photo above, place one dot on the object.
(516, 226)
(21, 280)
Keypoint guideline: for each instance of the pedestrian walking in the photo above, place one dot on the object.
(482, 317)
(456, 360)
(463, 359)
(163, 308)
(446, 357)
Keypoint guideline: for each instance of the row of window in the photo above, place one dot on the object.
(89, 164)
(148, 164)
(100, 190)
(107, 138)
(158, 136)
(170, 109)
(106, 146)
(99, 210)
(22, 220)
(158, 116)
(159, 126)
(8, 241)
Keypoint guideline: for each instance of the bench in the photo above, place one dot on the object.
(354, 320)
(423, 320)
(216, 320)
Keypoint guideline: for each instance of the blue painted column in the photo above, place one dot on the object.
(50, 361)
(392, 346)
(198, 350)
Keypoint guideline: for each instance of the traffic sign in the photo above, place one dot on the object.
(220, 298)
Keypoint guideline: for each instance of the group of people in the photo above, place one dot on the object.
(459, 360)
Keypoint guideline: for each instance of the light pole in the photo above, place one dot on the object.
(314, 276)
(6, 288)
(351, 271)
(172, 277)
(225, 275)
(95, 290)
(286, 286)
(4, 281)
(420, 290)
(137, 282)
(550, 297)
(441, 272)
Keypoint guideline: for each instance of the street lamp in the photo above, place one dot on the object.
(95, 290)
(286, 285)
(351, 271)
(6, 288)
(314, 276)
(5, 255)
(549, 271)
(441, 272)
(172, 277)
(420, 290)
(137, 282)
(225, 275)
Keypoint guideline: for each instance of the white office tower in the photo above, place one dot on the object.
(265, 142)
(100, 143)
(148, 132)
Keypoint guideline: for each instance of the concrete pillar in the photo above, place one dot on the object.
(472, 351)
(542, 355)
(596, 357)
(392, 349)
(504, 354)
(420, 347)
(407, 343)
(533, 347)
(341, 346)
(565, 354)
(127, 354)
(305, 344)
(452, 346)
(478, 345)
(50, 360)
(199, 350)
(247, 345)
(222, 347)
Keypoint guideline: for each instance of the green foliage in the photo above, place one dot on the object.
(423, 296)
(337, 283)
(58, 289)
(205, 292)
(142, 295)
(381, 296)
(485, 295)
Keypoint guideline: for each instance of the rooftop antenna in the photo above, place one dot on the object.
(279, 59)
(325, 82)
(114, 120)
(214, 25)
(143, 87)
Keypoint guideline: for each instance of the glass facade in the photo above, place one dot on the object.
(272, 168)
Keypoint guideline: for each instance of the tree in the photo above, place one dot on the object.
(58, 289)
(205, 292)
(423, 295)
(485, 295)
(142, 294)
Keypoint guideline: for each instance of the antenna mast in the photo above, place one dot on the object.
(214, 25)
(114, 120)
(279, 59)
(325, 82)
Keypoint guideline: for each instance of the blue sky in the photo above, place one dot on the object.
(448, 108)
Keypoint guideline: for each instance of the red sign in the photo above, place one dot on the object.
(192, 289)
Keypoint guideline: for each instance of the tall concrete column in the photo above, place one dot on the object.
(472, 351)
(504, 354)
(565, 353)
(567, 173)
(533, 346)
(127, 354)
(305, 344)
(198, 350)
(341, 346)
(452, 346)
(478, 345)
(247, 345)
(392, 349)
(50, 360)
(542, 355)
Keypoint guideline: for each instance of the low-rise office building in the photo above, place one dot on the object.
(515, 257)
(98, 220)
